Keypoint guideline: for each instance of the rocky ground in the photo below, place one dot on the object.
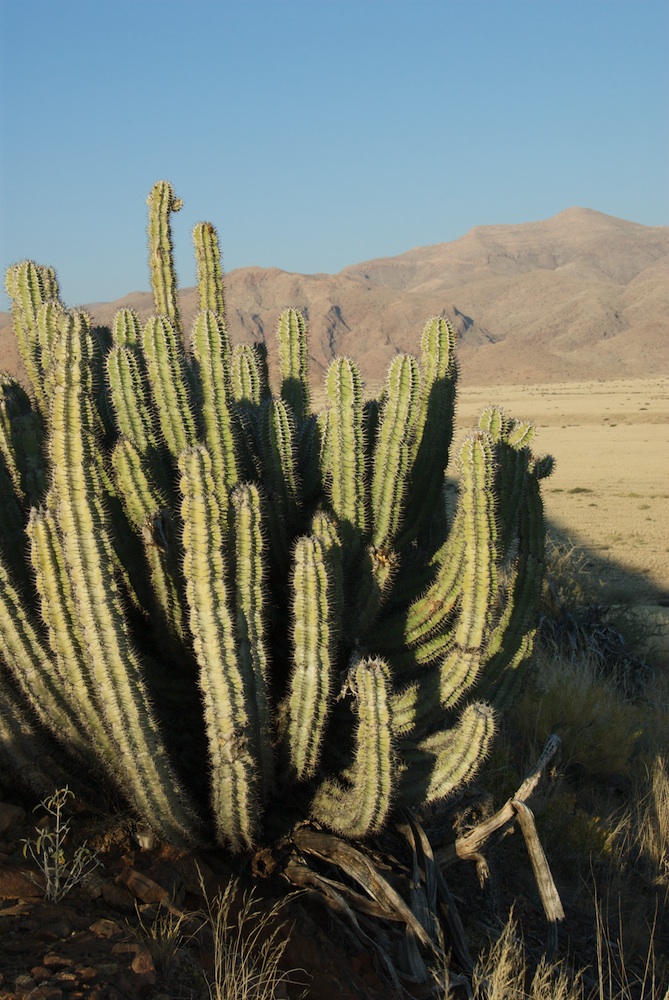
(92, 943)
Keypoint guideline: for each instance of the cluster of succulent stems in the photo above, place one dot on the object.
(212, 596)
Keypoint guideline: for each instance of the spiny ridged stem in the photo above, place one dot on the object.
(129, 397)
(11, 527)
(127, 329)
(65, 637)
(32, 669)
(209, 270)
(441, 762)
(211, 350)
(234, 778)
(511, 641)
(162, 203)
(313, 648)
(14, 403)
(376, 570)
(360, 808)
(148, 510)
(324, 528)
(391, 458)
(462, 664)
(346, 453)
(245, 375)
(252, 636)
(292, 339)
(426, 614)
(115, 666)
(48, 318)
(28, 286)
(277, 437)
(433, 431)
(166, 369)
(24, 752)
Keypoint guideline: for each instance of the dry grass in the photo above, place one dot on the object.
(249, 939)
(229, 950)
(168, 937)
(503, 973)
(653, 823)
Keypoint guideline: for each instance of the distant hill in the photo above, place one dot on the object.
(579, 296)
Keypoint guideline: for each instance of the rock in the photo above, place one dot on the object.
(66, 980)
(55, 961)
(143, 887)
(15, 911)
(86, 972)
(104, 928)
(16, 884)
(143, 967)
(55, 929)
(127, 948)
(107, 968)
(117, 897)
(10, 816)
(18, 945)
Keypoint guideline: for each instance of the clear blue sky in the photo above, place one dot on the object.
(319, 133)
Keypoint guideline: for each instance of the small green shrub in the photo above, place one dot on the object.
(48, 850)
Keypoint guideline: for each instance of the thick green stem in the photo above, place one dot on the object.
(147, 509)
(360, 806)
(433, 432)
(116, 669)
(66, 639)
(211, 351)
(162, 203)
(392, 455)
(346, 454)
(209, 269)
(314, 646)
(32, 668)
(234, 771)
(253, 639)
(292, 339)
(440, 763)
(29, 285)
(462, 664)
(166, 367)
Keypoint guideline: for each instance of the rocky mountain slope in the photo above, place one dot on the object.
(579, 296)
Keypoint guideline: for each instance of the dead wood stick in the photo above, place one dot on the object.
(468, 845)
(550, 898)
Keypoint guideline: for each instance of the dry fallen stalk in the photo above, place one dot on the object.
(467, 847)
(550, 897)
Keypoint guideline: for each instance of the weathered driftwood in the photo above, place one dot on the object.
(515, 809)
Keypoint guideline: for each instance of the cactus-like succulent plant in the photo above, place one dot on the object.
(210, 593)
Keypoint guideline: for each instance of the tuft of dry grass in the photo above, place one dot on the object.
(249, 940)
(598, 726)
(502, 971)
(653, 823)
(168, 937)
(502, 974)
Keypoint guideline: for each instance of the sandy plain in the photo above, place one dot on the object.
(609, 493)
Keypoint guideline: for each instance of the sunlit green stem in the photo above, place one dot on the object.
(162, 202)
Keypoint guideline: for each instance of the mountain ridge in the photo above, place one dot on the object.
(580, 295)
